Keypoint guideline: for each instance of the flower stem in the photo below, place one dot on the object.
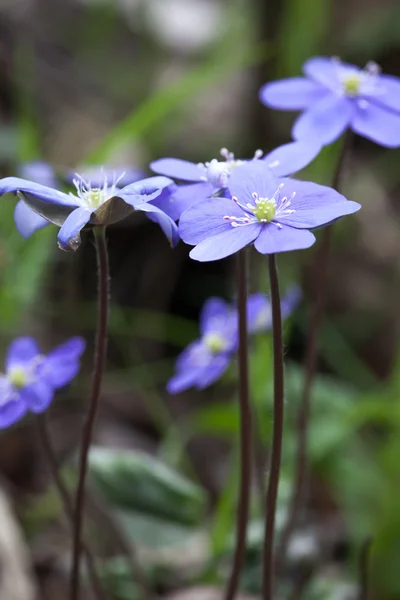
(99, 362)
(45, 438)
(319, 279)
(277, 434)
(245, 430)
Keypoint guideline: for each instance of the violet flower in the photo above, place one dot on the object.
(31, 378)
(103, 205)
(259, 311)
(336, 96)
(275, 215)
(208, 179)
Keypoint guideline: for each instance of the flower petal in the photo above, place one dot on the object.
(144, 190)
(188, 195)
(214, 311)
(327, 70)
(273, 239)
(166, 203)
(259, 315)
(11, 412)
(378, 124)
(62, 364)
(253, 176)
(97, 175)
(214, 371)
(21, 351)
(39, 172)
(156, 215)
(325, 121)
(314, 205)
(48, 194)
(292, 157)
(226, 243)
(37, 396)
(178, 169)
(295, 93)
(290, 301)
(69, 237)
(27, 221)
(389, 92)
(183, 380)
(206, 218)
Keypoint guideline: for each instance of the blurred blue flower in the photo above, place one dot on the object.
(103, 205)
(336, 96)
(275, 215)
(259, 312)
(31, 378)
(211, 177)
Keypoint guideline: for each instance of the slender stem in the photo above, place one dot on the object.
(45, 438)
(99, 363)
(363, 568)
(245, 431)
(319, 278)
(277, 434)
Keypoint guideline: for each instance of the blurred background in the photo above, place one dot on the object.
(123, 82)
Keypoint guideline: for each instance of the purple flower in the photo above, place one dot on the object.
(259, 313)
(28, 221)
(208, 179)
(275, 215)
(335, 96)
(31, 378)
(103, 205)
(206, 359)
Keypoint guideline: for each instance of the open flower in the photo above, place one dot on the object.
(206, 359)
(208, 179)
(31, 378)
(336, 96)
(96, 205)
(275, 215)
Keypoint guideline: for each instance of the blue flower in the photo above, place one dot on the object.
(275, 215)
(259, 312)
(206, 359)
(336, 96)
(31, 378)
(97, 205)
(210, 178)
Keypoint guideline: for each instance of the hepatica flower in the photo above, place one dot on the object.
(259, 311)
(103, 204)
(275, 215)
(336, 96)
(31, 378)
(210, 178)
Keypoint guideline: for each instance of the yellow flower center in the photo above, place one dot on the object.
(265, 209)
(214, 342)
(18, 377)
(351, 85)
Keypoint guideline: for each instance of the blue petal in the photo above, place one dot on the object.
(214, 312)
(27, 220)
(327, 71)
(226, 243)
(290, 301)
(62, 364)
(273, 239)
(166, 203)
(292, 157)
(214, 371)
(21, 351)
(39, 172)
(254, 176)
(183, 380)
(206, 218)
(389, 92)
(144, 190)
(325, 121)
(11, 412)
(178, 169)
(15, 184)
(37, 396)
(295, 93)
(97, 176)
(259, 316)
(183, 197)
(69, 235)
(165, 222)
(378, 124)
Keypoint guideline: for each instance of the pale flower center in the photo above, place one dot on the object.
(214, 342)
(218, 172)
(94, 197)
(18, 377)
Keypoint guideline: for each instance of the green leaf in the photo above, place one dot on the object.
(136, 482)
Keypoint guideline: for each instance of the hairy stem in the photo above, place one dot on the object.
(245, 430)
(277, 435)
(99, 363)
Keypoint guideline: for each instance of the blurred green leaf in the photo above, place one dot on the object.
(134, 481)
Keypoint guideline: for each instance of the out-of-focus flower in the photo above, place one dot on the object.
(206, 359)
(97, 205)
(259, 312)
(336, 96)
(208, 179)
(275, 215)
(31, 378)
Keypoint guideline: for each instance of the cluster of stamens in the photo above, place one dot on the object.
(264, 210)
(217, 172)
(93, 197)
(17, 377)
(356, 82)
(214, 342)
